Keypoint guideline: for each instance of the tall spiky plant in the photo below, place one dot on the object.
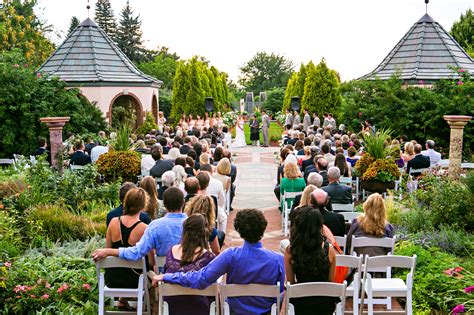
(375, 144)
(122, 140)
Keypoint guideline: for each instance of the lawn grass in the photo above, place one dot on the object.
(274, 133)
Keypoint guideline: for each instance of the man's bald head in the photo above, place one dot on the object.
(322, 164)
(191, 185)
(319, 197)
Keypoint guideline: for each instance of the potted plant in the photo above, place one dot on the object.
(376, 169)
(120, 161)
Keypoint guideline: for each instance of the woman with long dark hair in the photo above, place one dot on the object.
(310, 258)
(344, 166)
(191, 254)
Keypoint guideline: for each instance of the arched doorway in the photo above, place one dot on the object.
(125, 109)
(154, 108)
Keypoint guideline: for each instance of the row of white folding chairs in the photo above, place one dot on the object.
(221, 292)
(287, 200)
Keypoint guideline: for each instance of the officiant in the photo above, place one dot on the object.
(254, 130)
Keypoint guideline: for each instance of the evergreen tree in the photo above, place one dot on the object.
(299, 88)
(195, 94)
(180, 86)
(104, 17)
(321, 90)
(290, 91)
(463, 31)
(129, 35)
(73, 24)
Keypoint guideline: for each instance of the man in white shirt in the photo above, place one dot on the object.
(97, 151)
(430, 152)
(148, 161)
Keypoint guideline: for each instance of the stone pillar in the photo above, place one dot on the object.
(55, 125)
(456, 124)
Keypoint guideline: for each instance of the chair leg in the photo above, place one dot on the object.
(389, 302)
(101, 303)
(355, 303)
(370, 303)
(408, 307)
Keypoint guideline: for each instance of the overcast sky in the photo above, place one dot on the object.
(353, 35)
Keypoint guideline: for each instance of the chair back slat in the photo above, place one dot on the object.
(467, 165)
(316, 289)
(419, 170)
(391, 261)
(340, 207)
(345, 181)
(386, 242)
(260, 290)
(167, 289)
(160, 261)
(115, 262)
(349, 261)
(291, 195)
(349, 216)
(341, 241)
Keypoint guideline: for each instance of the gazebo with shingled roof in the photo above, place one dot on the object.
(90, 61)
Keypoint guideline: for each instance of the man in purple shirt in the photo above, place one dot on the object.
(248, 264)
(160, 235)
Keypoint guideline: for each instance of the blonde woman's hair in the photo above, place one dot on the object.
(409, 148)
(223, 167)
(291, 170)
(306, 196)
(204, 159)
(374, 218)
(203, 205)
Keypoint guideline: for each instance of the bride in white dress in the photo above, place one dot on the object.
(239, 134)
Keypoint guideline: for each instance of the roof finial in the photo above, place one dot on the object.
(89, 8)
(426, 2)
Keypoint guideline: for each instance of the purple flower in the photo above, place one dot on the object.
(458, 309)
(421, 82)
(469, 289)
(460, 83)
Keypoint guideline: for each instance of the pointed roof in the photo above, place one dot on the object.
(426, 53)
(89, 57)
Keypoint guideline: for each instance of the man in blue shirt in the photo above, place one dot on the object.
(160, 235)
(248, 264)
(144, 217)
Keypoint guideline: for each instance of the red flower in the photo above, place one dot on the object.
(86, 286)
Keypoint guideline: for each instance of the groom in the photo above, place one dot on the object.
(265, 127)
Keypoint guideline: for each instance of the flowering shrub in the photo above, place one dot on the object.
(384, 170)
(230, 118)
(51, 281)
(280, 118)
(119, 164)
(440, 280)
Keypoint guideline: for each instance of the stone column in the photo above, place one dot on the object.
(456, 123)
(55, 125)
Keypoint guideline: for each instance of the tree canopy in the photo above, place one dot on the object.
(73, 24)
(193, 82)
(129, 35)
(104, 17)
(463, 31)
(265, 71)
(162, 67)
(27, 96)
(21, 30)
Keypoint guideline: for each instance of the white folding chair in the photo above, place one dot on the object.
(288, 198)
(159, 263)
(345, 181)
(140, 293)
(355, 183)
(342, 207)
(77, 167)
(253, 290)
(349, 216)
(167, 290)
(341, 241)
(33, 160)
(354, 263)
(467, 165)
(388, 287)
(386, 242)
(418, 170)
(313, 289)
(6, 162)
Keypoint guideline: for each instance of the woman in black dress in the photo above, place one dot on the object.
(310, 258)
(254, 130)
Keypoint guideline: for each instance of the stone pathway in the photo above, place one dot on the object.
(256, 179)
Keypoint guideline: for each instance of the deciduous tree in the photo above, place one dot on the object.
(463, 31)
